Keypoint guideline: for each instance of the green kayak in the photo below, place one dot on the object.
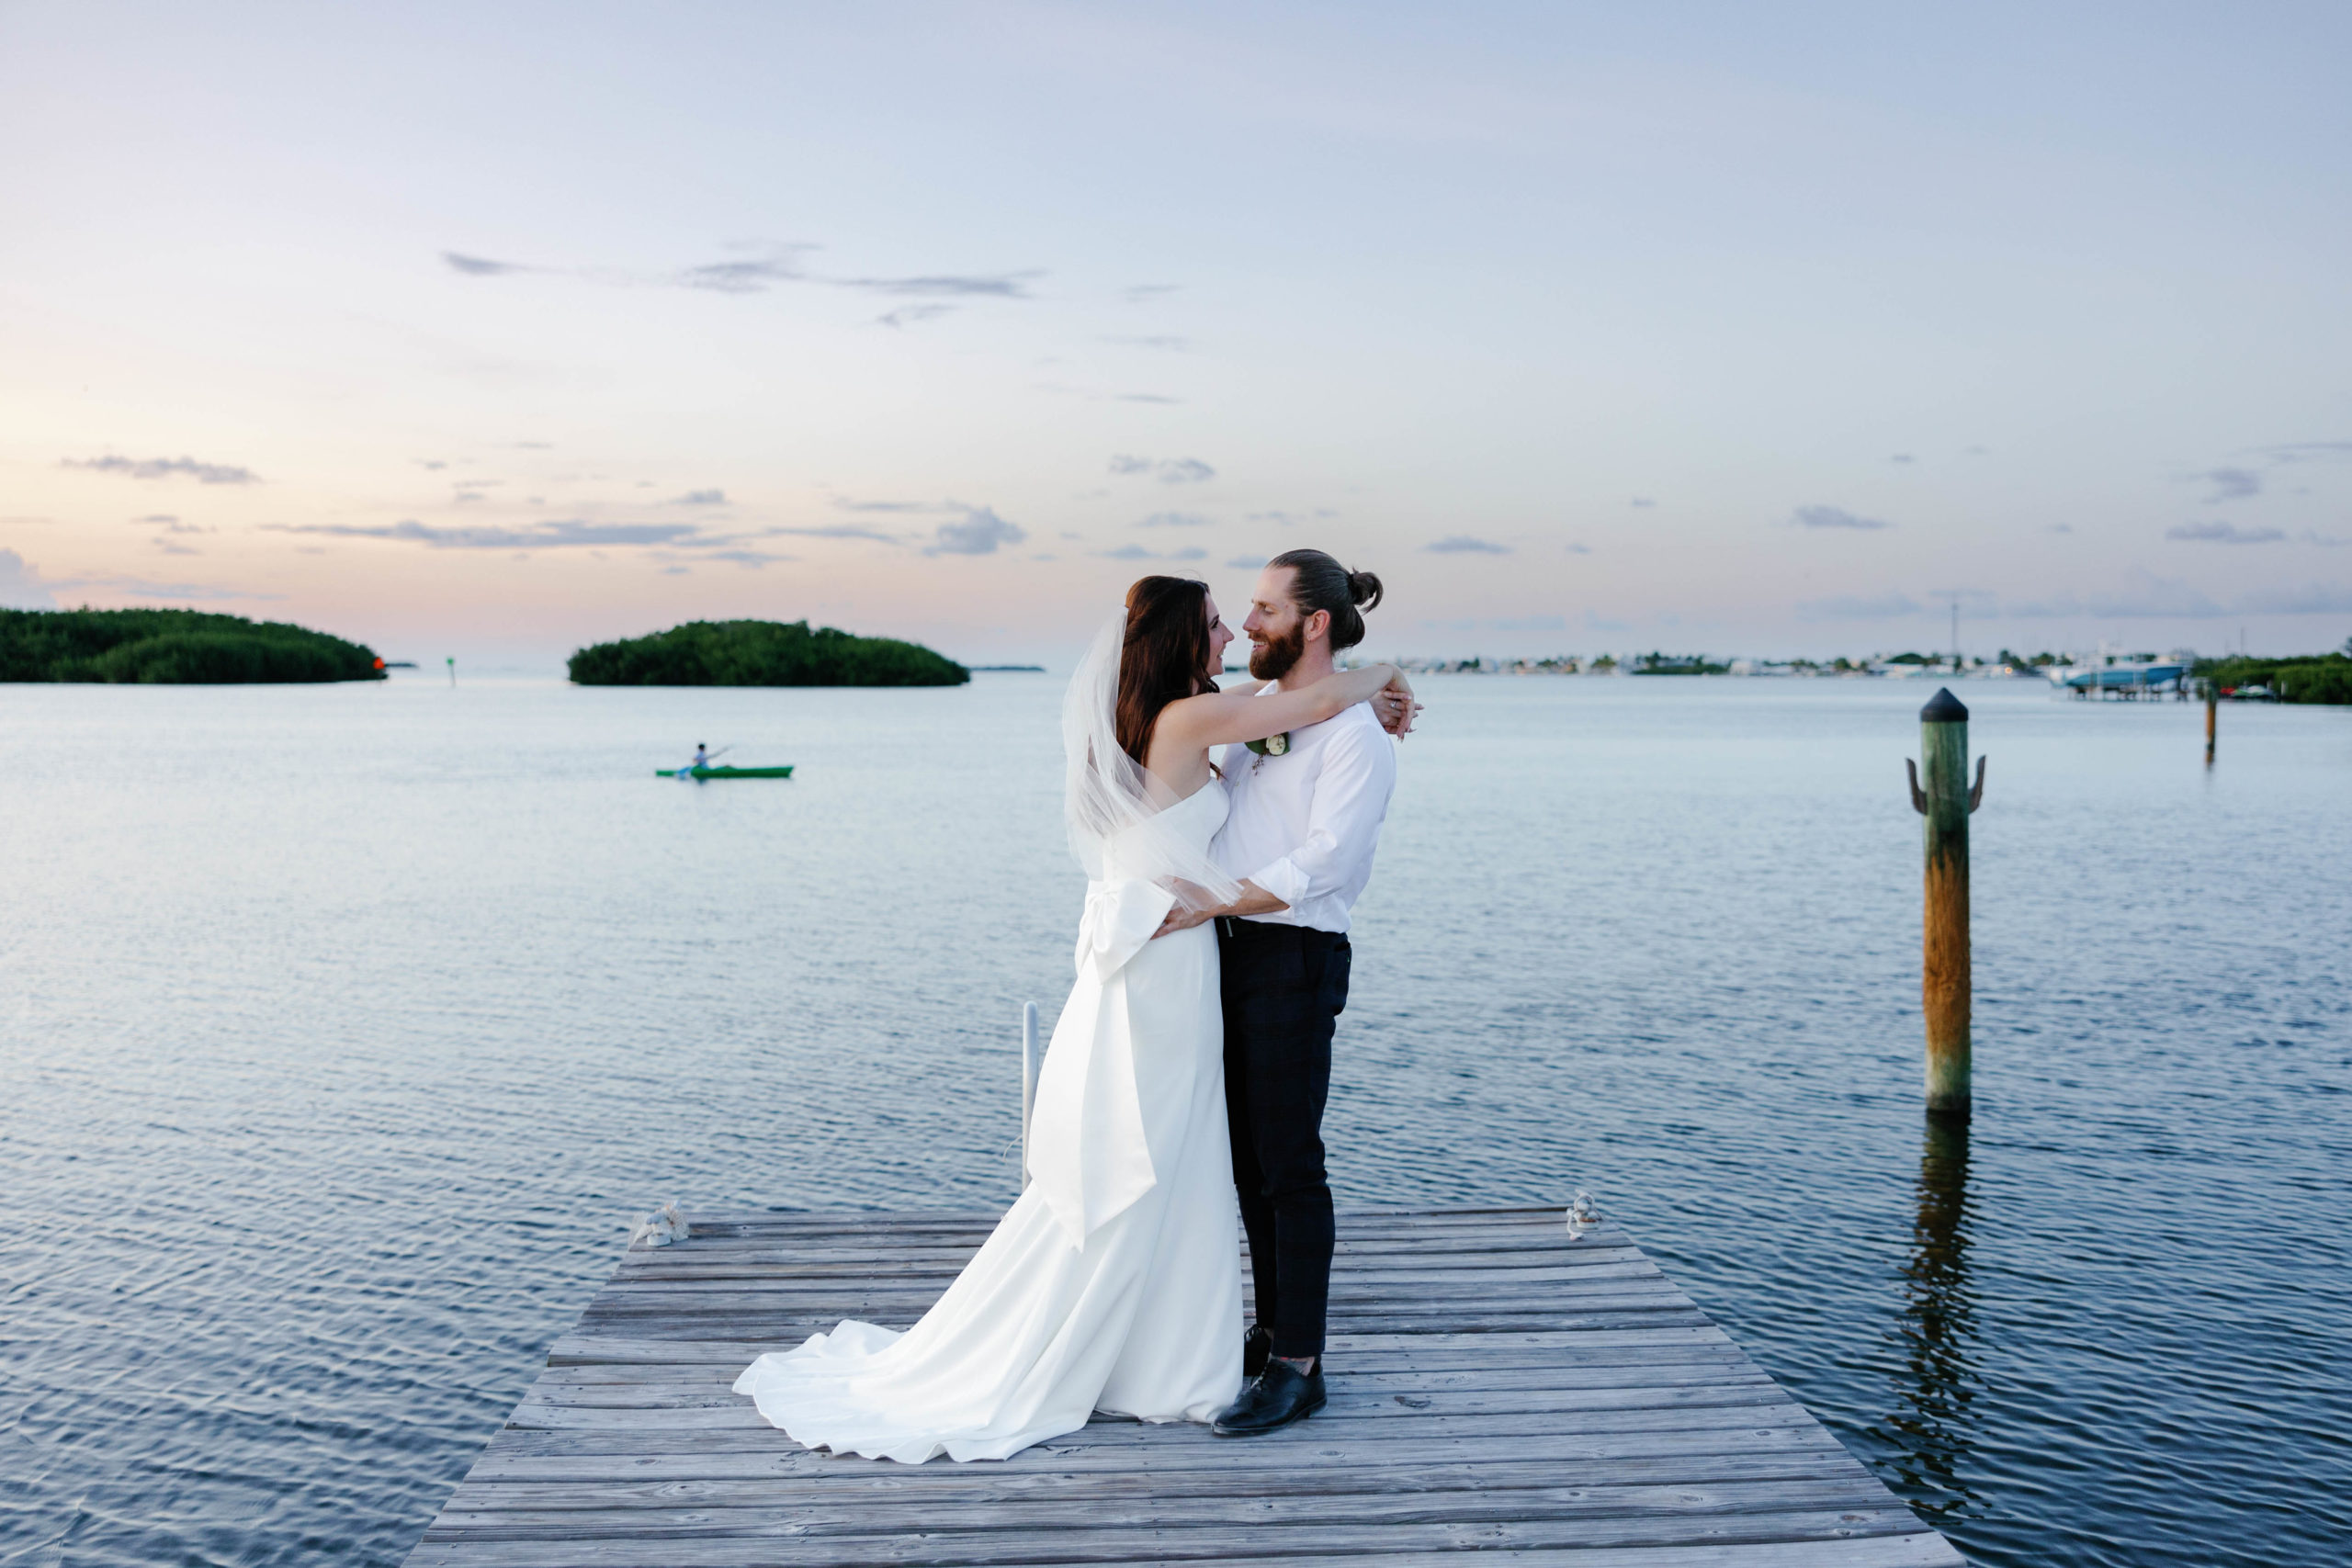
(722, 773)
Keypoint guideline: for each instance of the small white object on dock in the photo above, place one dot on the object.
(1583, 1215)
(659, 1228)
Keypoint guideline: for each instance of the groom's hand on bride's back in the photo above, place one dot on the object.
(1253, 900)
(1181, 919)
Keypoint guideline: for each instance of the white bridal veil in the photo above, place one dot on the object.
(1112, 806)
(1143, 856)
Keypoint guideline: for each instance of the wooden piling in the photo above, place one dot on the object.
(1944, 982)
(2212, 712)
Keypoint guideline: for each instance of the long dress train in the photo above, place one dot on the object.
(1114, 1282)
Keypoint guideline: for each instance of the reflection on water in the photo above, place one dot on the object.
(343, 1029)
(1929, 1430)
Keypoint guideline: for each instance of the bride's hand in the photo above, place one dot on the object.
(1394, 705)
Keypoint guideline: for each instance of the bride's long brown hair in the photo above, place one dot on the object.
(1164, 656)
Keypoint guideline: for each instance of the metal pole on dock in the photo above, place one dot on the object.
(1029, 1064)
(2212, 712)
(1944, 980)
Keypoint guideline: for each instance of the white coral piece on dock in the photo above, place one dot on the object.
(659, 1228)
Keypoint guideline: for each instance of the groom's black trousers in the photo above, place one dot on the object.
(1283, 990)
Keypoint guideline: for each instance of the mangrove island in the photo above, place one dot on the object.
(761, 653)
(183, 647)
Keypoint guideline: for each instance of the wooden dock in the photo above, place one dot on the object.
(1496, 1387)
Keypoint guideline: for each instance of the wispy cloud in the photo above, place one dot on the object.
(1833, 517)
(837, 531)
(482, 267)
(1902, 459)
(1143, 293)
(1464, 545)
(1164, 344)
(1167, 471)
(1173, 520)
(752, 276)
(1286, 519)
(2332, 541)
(979, 531)
(754, 558)
(999, 286)
(759, 273)
(1145, 398)
(846, 504)
(1248, 563)
(562, 534)
(2225, 533)
(703, 497)
(1643, 504)
(2227, 484)
(1577, 550)
(167, 546)
(166, 469)
(906, 316)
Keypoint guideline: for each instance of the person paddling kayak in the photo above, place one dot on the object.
(702, 759)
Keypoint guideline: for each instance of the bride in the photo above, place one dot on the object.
(1114, 1282)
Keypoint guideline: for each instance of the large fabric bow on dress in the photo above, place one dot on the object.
(1088, 1154)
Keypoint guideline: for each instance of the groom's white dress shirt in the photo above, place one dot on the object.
(1303, 825)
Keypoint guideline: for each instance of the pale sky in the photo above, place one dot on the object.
(490, 329)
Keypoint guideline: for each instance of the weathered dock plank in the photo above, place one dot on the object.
(1496, 1387)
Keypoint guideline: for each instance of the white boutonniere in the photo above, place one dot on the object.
(1271, 746)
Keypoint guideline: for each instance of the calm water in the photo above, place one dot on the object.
(343, 1029)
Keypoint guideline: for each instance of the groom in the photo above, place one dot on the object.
(1303, 821)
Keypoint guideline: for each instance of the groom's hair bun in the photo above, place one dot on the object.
(1320, 583)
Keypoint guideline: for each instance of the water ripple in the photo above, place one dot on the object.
(341, 1032)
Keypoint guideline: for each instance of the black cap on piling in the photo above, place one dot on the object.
(1944, 708)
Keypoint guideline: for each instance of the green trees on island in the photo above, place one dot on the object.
(2310, 678)
(761, 653)
(173, 647)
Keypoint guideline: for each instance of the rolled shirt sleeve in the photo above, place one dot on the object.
(1351, 801)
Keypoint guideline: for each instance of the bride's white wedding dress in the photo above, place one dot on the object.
(1114, 1282)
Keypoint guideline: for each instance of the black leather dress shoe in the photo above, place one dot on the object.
(1256, 1347)
(1281, 1396)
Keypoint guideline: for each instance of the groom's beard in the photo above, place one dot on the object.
(1272, 660)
